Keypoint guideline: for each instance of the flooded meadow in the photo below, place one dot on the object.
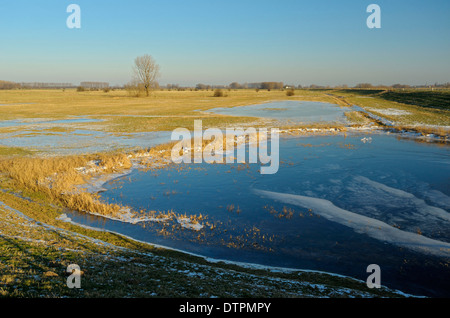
(338, 203)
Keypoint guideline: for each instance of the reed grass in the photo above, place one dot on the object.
(58, 178)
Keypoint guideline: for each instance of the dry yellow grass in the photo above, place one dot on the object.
(164, 110)
(57, 178)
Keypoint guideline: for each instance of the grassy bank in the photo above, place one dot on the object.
(35, 254)
(406, 108)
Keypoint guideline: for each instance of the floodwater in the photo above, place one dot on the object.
(81, 141)
(75, 120)
(76, 137)
(73, 136)
(289, 111)
(337, 204)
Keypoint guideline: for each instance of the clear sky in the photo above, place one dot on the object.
(323, 42)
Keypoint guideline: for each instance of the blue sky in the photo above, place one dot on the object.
(324, 42)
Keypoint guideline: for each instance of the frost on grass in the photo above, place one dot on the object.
(390, 111)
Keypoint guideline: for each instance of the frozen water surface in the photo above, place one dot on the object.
(289, 111)
(81, 141)
(336, 204)
(41, 135)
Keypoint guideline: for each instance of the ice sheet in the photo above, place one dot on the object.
(363, 224)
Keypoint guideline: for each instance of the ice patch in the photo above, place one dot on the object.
(438, 198)
(363, 224)
(422, 207)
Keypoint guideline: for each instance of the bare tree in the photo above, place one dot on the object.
(146, 72)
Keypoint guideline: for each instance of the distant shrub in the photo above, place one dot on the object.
(9, 85)
(290, 92)
(134, 89)
(218, 93)
(106, 89)
(80, 89)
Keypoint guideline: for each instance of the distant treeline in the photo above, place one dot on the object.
(368, 85)
(44, 85)
(37, 85)
(8, 85)
(235, 85)
(280, 85)
(98, 85)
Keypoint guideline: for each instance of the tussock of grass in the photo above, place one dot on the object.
(57, 178)
(87, 202)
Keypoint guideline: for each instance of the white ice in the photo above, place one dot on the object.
(363, 224)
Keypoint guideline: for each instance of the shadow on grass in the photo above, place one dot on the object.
(426, 99)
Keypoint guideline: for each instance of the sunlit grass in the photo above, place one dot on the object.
(14, 151)
(164, 110)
